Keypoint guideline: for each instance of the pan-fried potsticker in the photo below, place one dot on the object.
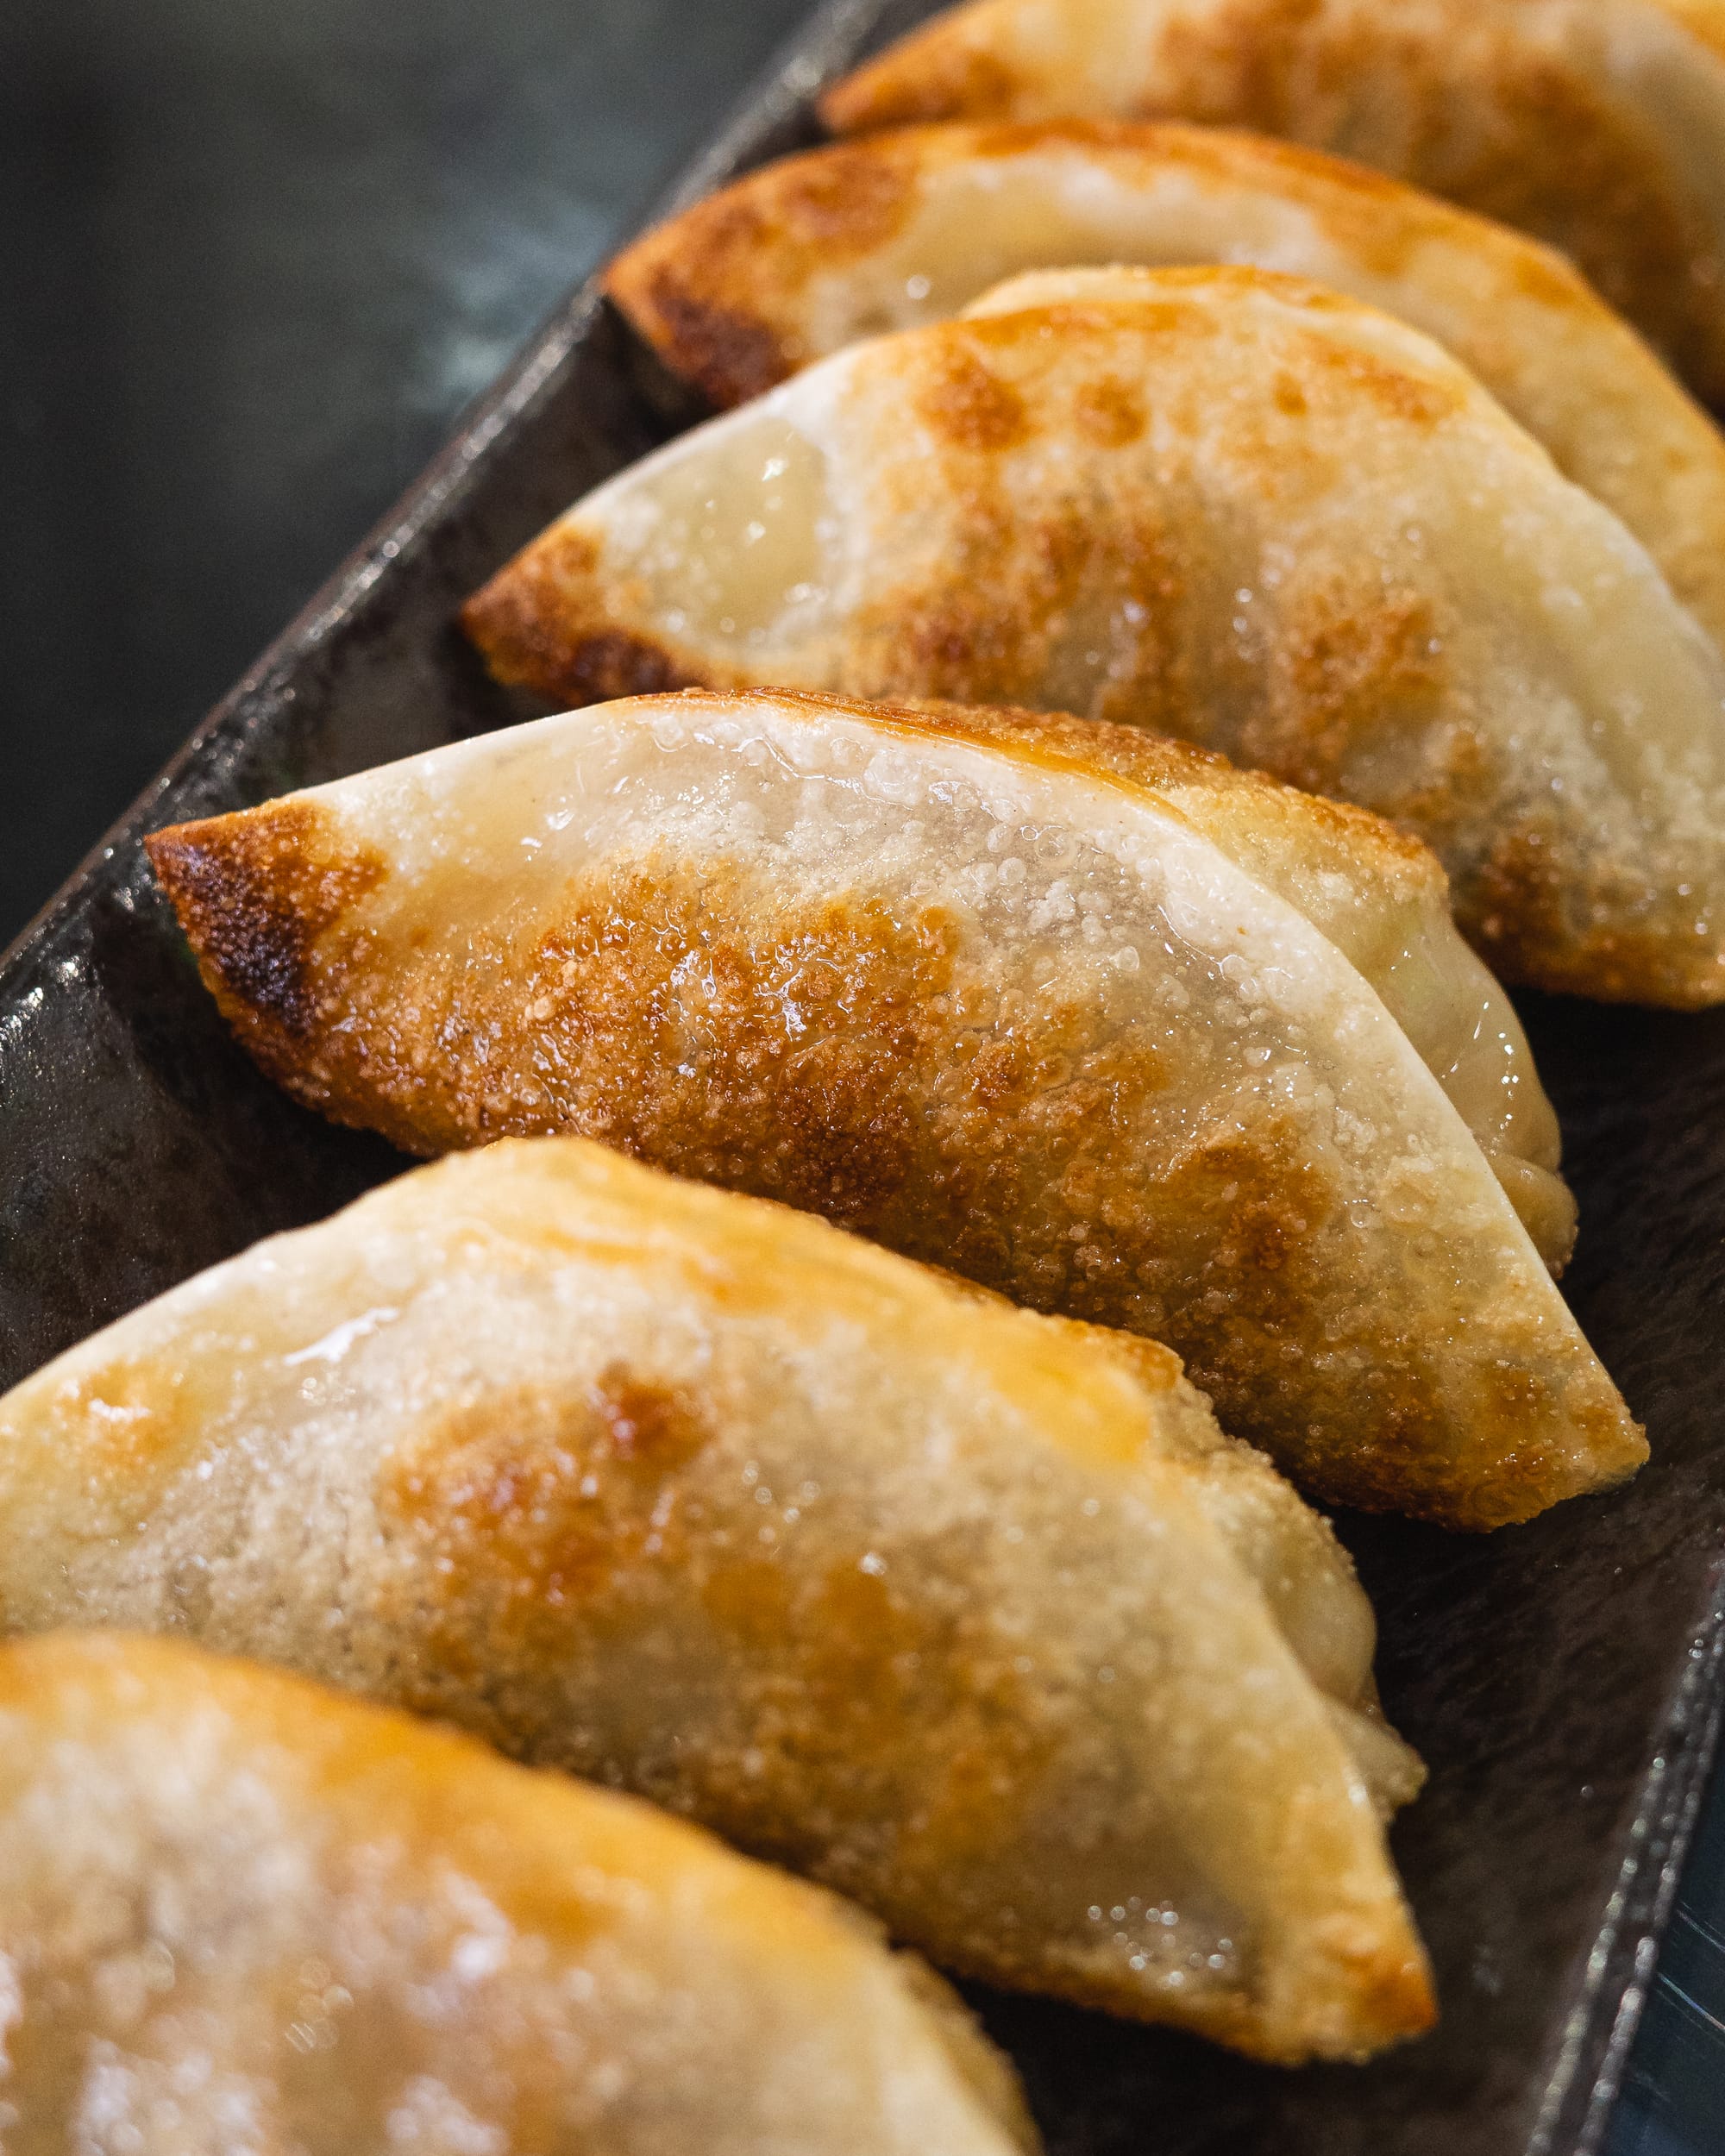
(697, 1495)
(238, 1911)
(895, 231)
(1222, 504)
(1089, 1018)
(1597, 125)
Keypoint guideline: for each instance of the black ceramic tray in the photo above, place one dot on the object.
(1562, 1679)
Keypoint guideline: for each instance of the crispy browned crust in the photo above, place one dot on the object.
(1474, 111)
(934, 73)
(264, 897)
(892, 1104)
(717, 291)
(1521, 915)
(685, 285)
(725, 351)
(1359, 669)
(255, 891)
(517, 621)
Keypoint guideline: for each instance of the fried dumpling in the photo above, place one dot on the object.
(1079, 1014)
(1230, 506)
(803, 257)
(1598, 125)
(698, 1496)
(239, 1912)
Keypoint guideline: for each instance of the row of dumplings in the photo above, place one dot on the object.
(903, 885)
(971, 1613)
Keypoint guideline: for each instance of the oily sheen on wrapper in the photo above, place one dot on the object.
(1232, 507)
(698, 1496)
(238, 1911)
(896, 231)
(1598, 125)
(1089, 1018)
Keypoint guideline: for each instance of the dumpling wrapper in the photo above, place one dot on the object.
(805, 256)
(239, 1912)
(936, 1599)
(1598, 125)
(1232, 507)
(1075, 1013)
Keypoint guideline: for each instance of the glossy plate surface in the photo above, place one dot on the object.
(1562, 1679)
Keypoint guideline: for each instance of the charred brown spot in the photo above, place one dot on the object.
(615, 663)
(643, 1424)
(936, 75)
(256, 893)
(967, 406)
(1414, 400)
(881, 1680)
(729, 354)
(1353, 664)
(1109, 411)
(1536, 910)
(523, 1502)
(542, 624)
(717, 290)
(841, 202)
(1024, 598)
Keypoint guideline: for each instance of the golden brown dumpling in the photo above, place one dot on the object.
(803, 257)
(238, 1912)
(1598, 125)
(699, 1497)
(1230, 506)
(1087, 1017)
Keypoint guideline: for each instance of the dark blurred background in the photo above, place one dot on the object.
(254, 259)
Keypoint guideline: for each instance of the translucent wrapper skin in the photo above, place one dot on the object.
(896, 231)
(1597, 125)
(1091, 1018)
(1220, 504)
(239, 1911)
(960, 1609)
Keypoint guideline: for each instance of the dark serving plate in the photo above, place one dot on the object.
(1562, 1679)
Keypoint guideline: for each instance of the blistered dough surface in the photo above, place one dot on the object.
(1597, 125)
(895, 231)
(1233, 508)
(700, 1497)
(1007, 1012)
(237, 1912)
